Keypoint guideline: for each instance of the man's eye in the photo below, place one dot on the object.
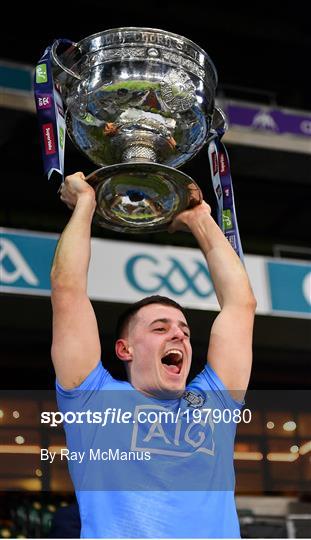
(159, 329)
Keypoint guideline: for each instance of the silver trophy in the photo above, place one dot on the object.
(139, 103)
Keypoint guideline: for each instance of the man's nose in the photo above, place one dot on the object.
(177, 333)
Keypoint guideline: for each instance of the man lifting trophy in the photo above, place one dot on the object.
(139, 103)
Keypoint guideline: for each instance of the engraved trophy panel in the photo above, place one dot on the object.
(140, 103)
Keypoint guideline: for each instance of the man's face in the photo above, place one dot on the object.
(160, 352)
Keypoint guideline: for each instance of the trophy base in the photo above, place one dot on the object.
(141, 197)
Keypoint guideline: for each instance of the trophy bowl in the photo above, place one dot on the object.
(139, 103)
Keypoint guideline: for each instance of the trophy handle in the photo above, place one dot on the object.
(218, 124)
(219, 120)
(70, 55)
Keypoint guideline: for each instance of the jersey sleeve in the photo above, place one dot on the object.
(95, 381)
(209, 381)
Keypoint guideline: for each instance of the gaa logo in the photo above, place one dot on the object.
(149, 275)
(13, 266)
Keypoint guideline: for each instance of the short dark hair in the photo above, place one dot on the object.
(131, 311)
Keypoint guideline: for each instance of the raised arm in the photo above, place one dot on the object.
(230, 345)
(76, 344)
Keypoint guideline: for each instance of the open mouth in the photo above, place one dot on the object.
(172, 361)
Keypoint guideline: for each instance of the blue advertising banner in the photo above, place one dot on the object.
(25, 261)
(290, 286)
(126, 271)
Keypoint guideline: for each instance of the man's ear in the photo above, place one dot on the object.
(123, 350)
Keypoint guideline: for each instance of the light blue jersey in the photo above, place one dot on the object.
(149, 474)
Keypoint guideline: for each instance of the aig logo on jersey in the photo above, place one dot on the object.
(171, 433)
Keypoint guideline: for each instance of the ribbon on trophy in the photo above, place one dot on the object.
(223, 188)
(51, 116)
